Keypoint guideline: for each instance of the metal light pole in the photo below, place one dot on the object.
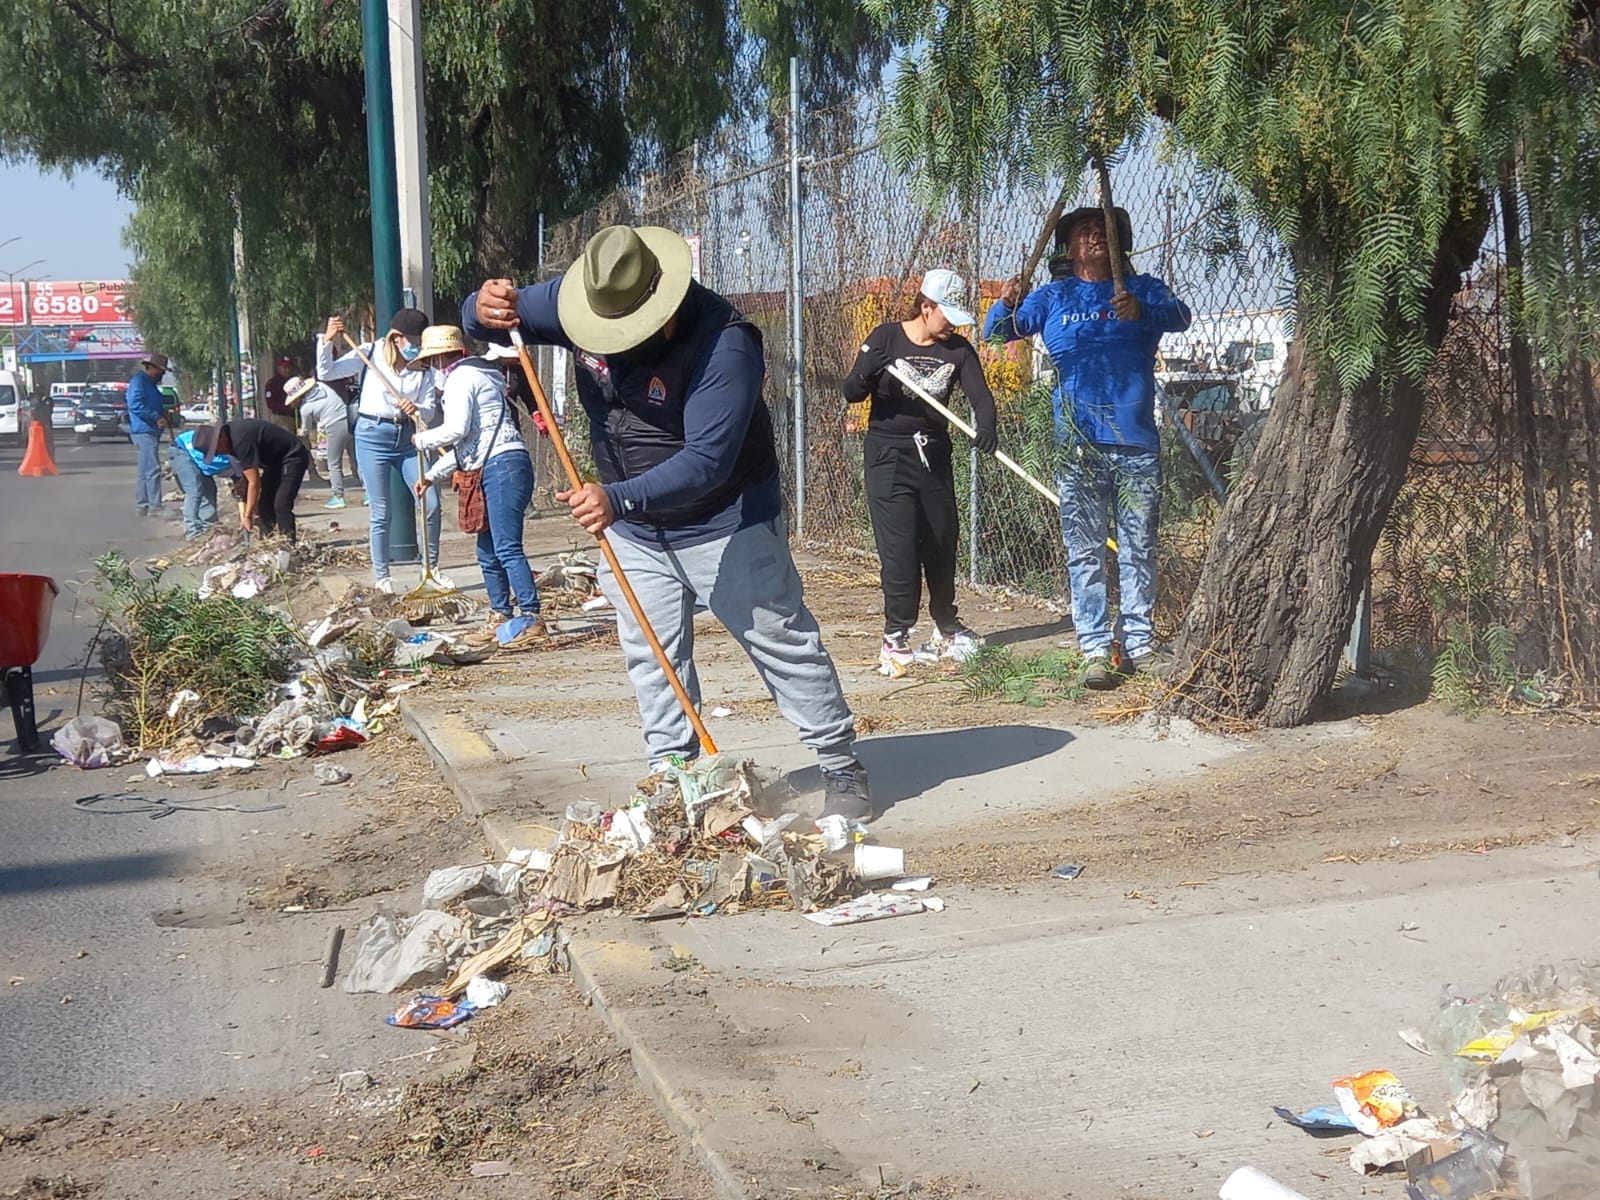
(411, 150)
(797, 370)
(385, 239)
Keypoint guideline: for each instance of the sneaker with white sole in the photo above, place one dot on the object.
(847, 794)
(1100, 674)
(384, 585)
(958, 644)
(444, 581)
(896, 654)
(336, 502)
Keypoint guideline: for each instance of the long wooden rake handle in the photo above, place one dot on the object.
(1004, 459)
(573, 479)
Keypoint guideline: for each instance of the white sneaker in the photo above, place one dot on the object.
(896, 654)
(444, 581)
(384, 585)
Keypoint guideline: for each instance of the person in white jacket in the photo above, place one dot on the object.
(324, 416)
(479, 432)
(385, 424)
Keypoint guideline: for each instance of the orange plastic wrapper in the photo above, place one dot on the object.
(1375, 1100)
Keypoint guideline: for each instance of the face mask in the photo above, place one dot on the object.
(408, 351)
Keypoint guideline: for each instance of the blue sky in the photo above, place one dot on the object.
(74, 225)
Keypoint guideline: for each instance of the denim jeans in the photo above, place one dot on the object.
(507, 488)
(147, 483)
(1102, 486)
(199, 493)
(378, 448)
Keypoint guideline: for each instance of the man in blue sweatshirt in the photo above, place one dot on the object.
(146, 417)
(1104, 350)
(670, 376)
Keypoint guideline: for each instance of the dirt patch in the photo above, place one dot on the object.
(1417, 782)
(547, 1091)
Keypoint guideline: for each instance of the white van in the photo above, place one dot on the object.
(13, 400)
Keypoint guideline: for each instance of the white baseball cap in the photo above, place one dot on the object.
(949, 291)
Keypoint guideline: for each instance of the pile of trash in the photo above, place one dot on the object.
(690, 842)
(1522, 1068)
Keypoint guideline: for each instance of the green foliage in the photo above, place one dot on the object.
(1476, 668)
(234, 653)
(216, 110)
(1368, 138)
(1000, 673)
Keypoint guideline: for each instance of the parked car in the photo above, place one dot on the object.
(197, 413)
(63, 412)
(102, 412)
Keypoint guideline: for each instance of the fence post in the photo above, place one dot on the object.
(797, 370)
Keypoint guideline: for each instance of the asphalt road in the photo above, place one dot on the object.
(102, 1004)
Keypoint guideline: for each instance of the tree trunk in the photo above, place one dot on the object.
(1280, 583)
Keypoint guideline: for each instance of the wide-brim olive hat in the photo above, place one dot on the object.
(1088, 212)
(625, 287)
(438, 340)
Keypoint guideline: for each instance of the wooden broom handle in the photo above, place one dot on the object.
(573, 479)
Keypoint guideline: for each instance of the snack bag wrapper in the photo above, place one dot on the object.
(1375, 1100)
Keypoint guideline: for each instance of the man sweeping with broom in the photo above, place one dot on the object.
(670, 375)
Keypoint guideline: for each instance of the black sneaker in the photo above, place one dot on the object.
(847, 794)
(1152, 660)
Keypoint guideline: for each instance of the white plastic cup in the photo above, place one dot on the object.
(1247, 1183)
(879, 862)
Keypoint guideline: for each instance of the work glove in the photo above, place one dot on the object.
(987, 441)
(874, 361)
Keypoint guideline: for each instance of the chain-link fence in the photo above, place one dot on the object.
(1459, 546)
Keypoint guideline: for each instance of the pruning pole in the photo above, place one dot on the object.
(1114, 248)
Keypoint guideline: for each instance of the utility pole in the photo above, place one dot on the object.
(385, 240)
(797, 302)
(411, 151)
(380, 162)
(244, 360)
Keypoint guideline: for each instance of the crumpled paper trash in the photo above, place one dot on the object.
(394, 953)
(1394, 1145)
(483, 992)
(197, 764)
(88, 742)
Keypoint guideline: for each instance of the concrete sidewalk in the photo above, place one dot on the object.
(1065, 1039)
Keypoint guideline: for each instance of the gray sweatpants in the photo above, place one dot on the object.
(750, 584)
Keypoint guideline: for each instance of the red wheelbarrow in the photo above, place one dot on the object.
(25, 602)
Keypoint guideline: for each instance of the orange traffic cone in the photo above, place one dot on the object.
(37, 460)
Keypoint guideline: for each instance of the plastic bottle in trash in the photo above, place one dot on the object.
(1247, 1183)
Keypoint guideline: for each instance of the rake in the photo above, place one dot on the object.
(575, 481)
(430, 599)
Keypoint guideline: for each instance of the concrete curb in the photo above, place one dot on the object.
(456, 748)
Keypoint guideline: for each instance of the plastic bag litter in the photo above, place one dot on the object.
(197, 764)
(327, 772)
(483, 992)
(88, 742)
(708, 779)
(180, 701)
(393, 953)
(630, 829)
(453, 883)
(290, 724)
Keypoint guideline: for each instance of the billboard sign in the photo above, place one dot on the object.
(13, 304)
(79, 302)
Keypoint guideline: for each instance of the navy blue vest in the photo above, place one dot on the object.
(636, 410)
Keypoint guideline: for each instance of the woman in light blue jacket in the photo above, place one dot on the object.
(390, 403)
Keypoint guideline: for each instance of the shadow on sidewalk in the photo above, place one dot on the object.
(904, 766)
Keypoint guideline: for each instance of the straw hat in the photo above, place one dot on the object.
(295, 390)
(628, 284)
(438, 340)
